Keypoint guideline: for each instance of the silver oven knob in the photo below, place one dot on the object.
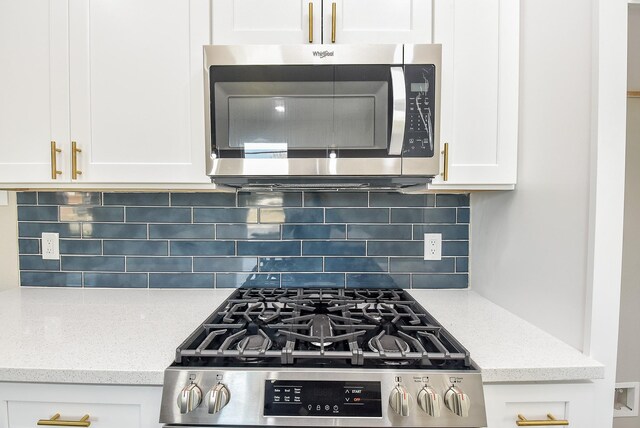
(457, 401)
(190, 397)
(217, 398)
(429, 401)
(399, 400)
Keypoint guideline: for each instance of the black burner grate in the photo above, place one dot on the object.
(332, 328)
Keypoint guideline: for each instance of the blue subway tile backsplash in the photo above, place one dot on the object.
(255, 239)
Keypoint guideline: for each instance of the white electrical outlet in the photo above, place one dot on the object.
(433, 246)
(50, 246)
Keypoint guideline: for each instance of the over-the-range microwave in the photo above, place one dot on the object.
(322, 115)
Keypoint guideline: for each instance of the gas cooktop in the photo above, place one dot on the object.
(322, 328)
(322, 357)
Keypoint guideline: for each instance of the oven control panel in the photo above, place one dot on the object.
(322, 398)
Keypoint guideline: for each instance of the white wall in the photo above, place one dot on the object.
(9, 243)
(529, 246)
(628, 338)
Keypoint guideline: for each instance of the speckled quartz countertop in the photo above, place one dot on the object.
(130, 336)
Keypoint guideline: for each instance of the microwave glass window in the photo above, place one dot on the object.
(281, 119)
(302, 122)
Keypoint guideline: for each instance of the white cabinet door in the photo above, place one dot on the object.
(573, 402)
(137, 102)
(377, 21)
(34, 91)
(22, 405)
(479, 111)
(266, 22)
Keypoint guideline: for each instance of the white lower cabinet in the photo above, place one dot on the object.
(22, 405)
(574, 402)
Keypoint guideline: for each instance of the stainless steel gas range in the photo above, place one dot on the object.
(322, 357)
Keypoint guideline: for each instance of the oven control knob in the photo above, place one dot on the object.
(429, 401)
(399, 400)
(190, 397)
(457, 401)
(217, 398)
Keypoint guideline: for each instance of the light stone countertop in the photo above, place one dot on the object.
(129, 336)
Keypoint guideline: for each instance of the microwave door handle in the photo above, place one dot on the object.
(399, 115)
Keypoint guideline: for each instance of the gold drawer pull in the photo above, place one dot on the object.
(445, 153)
(75, 172)
(57, 422)
(333, 22)
(54, 161)
(550, 421)
(310, 22)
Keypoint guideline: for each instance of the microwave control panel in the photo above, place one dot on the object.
(419, 127)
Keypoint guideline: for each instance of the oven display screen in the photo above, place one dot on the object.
(322, 398)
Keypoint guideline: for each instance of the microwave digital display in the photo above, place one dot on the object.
(419, 87)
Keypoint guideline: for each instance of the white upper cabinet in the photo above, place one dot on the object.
(137, 102)
(122, 79)
(278, 22)
(479, 111)
(295, 21)
(34, 91)
(377, 21)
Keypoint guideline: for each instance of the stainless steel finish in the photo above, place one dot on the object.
(399, 400)
(249, 411)
(457, 401)
(189, 398)
(429, 401)
(301, 55)
(399, 111)
(217, 398)
(420, 166)
(307, 167)
(313, 168)
(423, 54)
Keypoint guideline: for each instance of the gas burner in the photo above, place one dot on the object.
(255, 343)
(388, 343)
(322, 328)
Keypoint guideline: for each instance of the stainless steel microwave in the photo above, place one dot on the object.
(322, 115)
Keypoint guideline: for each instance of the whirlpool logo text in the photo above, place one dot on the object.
(322, 54)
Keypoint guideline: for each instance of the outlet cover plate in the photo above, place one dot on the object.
(50, 246)
(433, 246)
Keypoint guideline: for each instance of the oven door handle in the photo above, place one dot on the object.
(399, 115)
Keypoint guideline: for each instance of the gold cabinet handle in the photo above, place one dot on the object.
(445, 153)
(310, 22)
(333, 22)
(550, 421)
(75, 172)
(57, 422)
(54, 161)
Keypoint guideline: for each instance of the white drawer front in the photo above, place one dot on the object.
(23, 414)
